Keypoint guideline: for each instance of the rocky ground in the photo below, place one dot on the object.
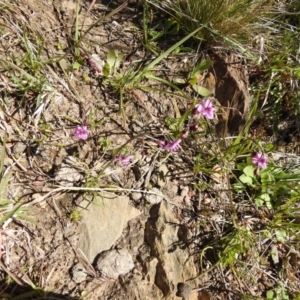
(140, 231)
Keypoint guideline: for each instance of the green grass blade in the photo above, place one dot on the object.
(115, 11)
(170, 50)
(10, 214)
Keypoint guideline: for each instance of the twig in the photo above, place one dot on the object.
(268, 90)
(84, 189)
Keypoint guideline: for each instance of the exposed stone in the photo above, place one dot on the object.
(136, 196)
(175, 264)
(184, 290)
(231, 90)
(78, 273)
(154, 198)
(114, 263)
(67, 175)
(19, 148)
(103, 222)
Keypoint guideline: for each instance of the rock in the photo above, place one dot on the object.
(184, 290)
(136, 196)
(159, 178)
(140, 288)
(231, 90)
(19, 148)
(175, 264)
(154, 198)
(103, 222)
(67, 175)
(78, 273)
(114, 263)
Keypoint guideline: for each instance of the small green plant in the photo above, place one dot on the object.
(193, 78)
(111, 67)
(75, 215)
(271, 188)
(9, 207)
(105, 143)
(278, 293)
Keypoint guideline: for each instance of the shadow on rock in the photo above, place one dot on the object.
(11, 291)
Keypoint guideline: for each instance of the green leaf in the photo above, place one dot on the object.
(270, 295)
(203, 65)
(118, 60)
(178, 80)
(4, 202)
(106, 70)
(269, 147)
(259, 202)
(281, 235)
(264, 199)
(172, 27)
(185, 49)
(249, 171)
(201, 90)
(111, 58)
(76, 65)
(246, 179)
(193, 80)
(238, 187)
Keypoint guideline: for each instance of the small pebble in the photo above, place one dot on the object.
(154, 198)
(78, 273)
(135, 196)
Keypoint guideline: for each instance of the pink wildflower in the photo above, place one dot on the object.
(125, 160)
(81, 132)
(185, 134)
(161, 143)
(260, 160)
(205, 108)
(172, 146)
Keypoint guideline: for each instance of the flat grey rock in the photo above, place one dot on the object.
(103, 222)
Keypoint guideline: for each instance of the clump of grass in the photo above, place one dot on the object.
(227, 17)
(233, 23)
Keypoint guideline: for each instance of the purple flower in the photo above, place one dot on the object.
(260, 160)
(161, 143)
(205, 108)
(172, 146)
(125, 160)
(81, 132)
(185, 134)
